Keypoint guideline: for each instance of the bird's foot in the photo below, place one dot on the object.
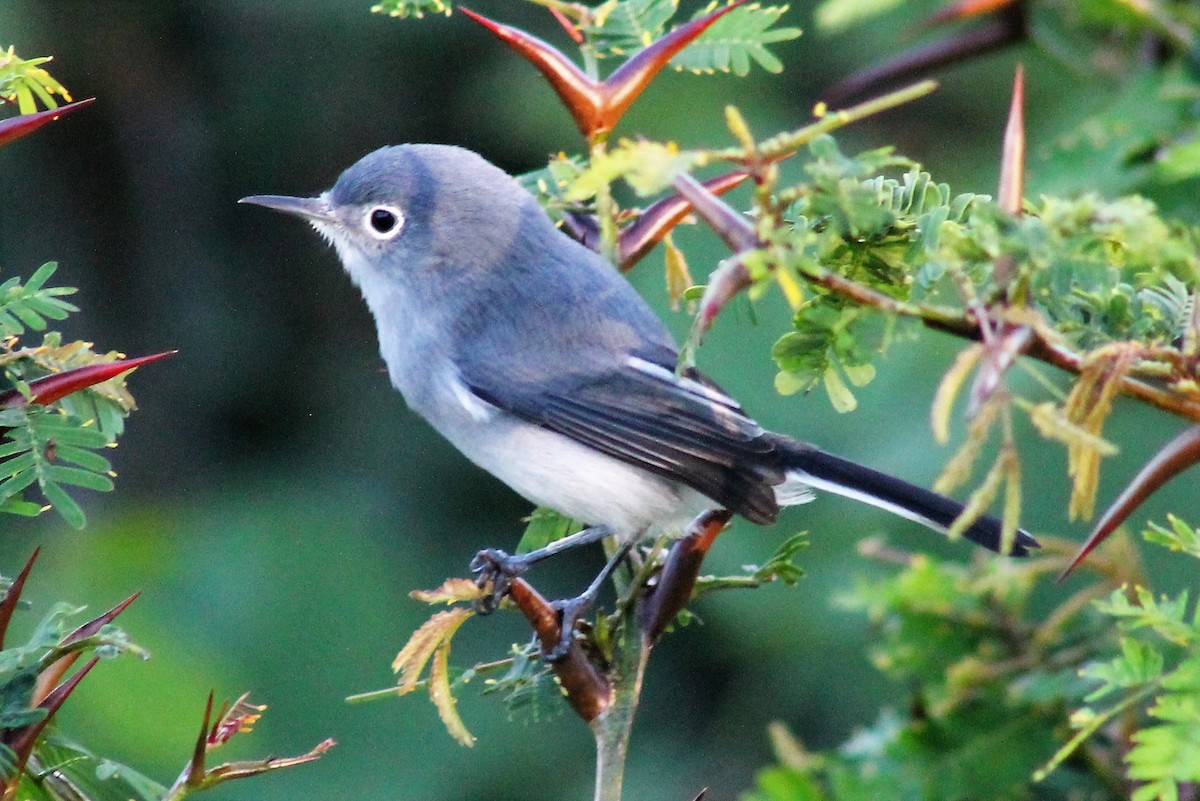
(572, 610)
(496, 568)
(500, 567)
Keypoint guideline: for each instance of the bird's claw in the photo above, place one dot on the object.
(570, 612)
(497, 568)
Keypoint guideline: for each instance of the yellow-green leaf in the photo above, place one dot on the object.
(443, 699)
(451, 591)
(948, 389)
(646, 166)
(860, 374)
(1052, 422)
(679, 280)
(958, 469)
(421, 646)
(979, 500)
(790, 383)
(840, 396)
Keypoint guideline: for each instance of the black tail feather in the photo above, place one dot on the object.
(831, 473)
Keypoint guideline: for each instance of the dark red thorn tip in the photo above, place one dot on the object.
(1176, 456)
(24, 124)
(51, 388)
(13, 596)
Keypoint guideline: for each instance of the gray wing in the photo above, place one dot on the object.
(683, 429)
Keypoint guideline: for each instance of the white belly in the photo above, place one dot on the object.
(584, 484)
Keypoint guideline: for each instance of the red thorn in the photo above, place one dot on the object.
(195, 768)
(999, 355)
(597, 106)
(23, 124)
(728, 224)
(9, 604)
(50, 677)
(580, 94)
(678, 577)
(1006, 29)
(23, 739)
(640, 237)
(50, 388)
(95, 624)
(732, 276)
(1178, 455)
(631, 78)
(723, 283)
(1012, 157)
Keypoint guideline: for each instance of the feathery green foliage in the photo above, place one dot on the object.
(52, 447)
(51, 450)
(26, 83)
(737, 40)
(56, 764)
(623, 27)
(30, 305)
(991, 682)
(1155, 676)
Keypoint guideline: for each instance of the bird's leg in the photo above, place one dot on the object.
(498, 567)
(570, 611)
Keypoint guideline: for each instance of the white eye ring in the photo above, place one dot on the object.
(383, 222)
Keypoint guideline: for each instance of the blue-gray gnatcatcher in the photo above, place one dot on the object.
(539, 362)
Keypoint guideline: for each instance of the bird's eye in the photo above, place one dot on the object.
(384, 222)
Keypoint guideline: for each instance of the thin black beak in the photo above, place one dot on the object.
(310, 208)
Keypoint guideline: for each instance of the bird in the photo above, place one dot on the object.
(538, 361)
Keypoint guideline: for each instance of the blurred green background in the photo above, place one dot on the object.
(276, 501)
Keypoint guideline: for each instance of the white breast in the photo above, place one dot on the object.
(552, 470)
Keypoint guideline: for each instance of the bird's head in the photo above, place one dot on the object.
(418, 214)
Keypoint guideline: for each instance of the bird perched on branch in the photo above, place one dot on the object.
(539, 362)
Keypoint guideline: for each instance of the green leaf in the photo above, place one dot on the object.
(1179, 537)
(545, 526)
(64, 504)
(38, 443)
(781, 565)
(735, 40)
(779, 783)
(86, 459)
(1103, 153)
(551, 183)
(626, 27)
(67, 768)
(16, 506)
(411, 8)
(29, 306)
(1179, 161)
(840, 396)
(79, 478)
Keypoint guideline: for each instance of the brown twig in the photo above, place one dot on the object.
(667, 598)
(588, 692)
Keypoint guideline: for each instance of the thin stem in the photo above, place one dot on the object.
(591, 65)
(614, 725)
(785, 144)
(606, 215)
